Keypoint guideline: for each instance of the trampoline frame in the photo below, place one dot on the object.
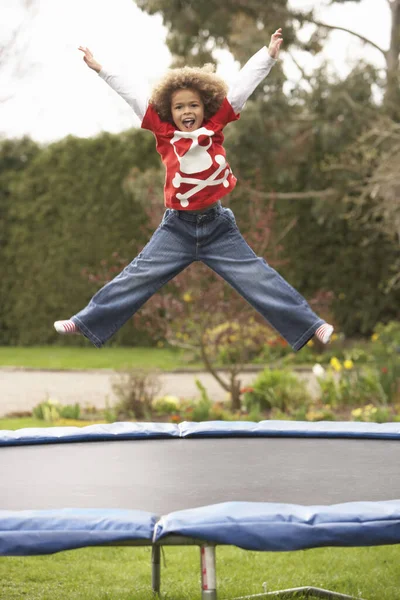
(208, 573)
(211, 429)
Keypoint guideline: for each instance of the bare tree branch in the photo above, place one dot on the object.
(304, 75)
(351, 32)
(328, 193)
(209, 366)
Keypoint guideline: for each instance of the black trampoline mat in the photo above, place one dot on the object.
(162, 476)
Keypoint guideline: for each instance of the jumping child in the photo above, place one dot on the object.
(187, 112)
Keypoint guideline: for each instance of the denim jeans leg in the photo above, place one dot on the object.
(166, 254)
(228, 254)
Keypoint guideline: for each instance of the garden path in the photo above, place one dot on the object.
(22, 389)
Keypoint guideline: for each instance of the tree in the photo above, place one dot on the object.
(374, 158)
(198, 28)
(15, 158)
(66, 209)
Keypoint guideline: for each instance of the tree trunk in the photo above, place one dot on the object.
(235, 394)
(392, 93)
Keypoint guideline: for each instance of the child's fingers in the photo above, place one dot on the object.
(86, 51)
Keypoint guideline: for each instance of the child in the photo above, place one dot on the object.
(187, 112)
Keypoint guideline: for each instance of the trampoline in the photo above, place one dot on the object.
(268, 486)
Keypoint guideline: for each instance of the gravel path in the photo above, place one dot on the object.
(22, 389)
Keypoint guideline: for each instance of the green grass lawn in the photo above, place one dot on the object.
(59, 357)
(125, 573)
(22, 422)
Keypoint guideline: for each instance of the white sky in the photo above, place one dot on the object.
(59, 95)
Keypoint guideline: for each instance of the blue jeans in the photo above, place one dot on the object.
(213, 238)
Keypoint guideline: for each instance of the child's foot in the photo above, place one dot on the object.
(324, 332)
(66, 327)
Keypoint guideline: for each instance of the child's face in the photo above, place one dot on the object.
(187, 109)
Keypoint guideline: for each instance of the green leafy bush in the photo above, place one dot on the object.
(371, 413)
(344, 385)
(165, 405)
(276, 388)
(70, 411)
(385, 354)
(201, 410)
(52, 410)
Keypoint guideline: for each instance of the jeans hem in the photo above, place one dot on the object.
(302, 341)
(87, 333)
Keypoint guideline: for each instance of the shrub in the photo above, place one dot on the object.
(52, 410)
(276, 389)
(344, 385)
(238, 342)
(47, 411)
(371, 413)
(135, 389)
(219, 412)
(201, 410)
(70, 411)
(165, 405)
(385, 355)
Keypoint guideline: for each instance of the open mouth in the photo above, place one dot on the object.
(188, 123)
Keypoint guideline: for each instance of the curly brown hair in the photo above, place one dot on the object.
(211, 87)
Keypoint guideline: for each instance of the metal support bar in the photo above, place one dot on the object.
(208, 572)
(155, 568)
(304, 592)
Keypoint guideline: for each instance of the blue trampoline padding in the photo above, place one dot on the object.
(33, 532)
(106, 432)
(137, 431)
(286, 527)
(325, 429)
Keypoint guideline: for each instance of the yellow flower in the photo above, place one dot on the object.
(335, 364)
(310, 343)
(187, 297)
(334, 337)
(357, 412)
(374, 337)
(348, 364)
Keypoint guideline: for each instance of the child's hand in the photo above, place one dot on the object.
(275, 44)
(89, 60)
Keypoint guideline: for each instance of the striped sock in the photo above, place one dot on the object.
(324, 332)
(66, 327)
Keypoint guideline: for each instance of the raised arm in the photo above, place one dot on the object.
(253, 72)
(136, 95)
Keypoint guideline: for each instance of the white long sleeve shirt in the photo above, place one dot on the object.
(246, 81)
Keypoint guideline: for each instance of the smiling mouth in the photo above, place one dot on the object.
(188, 123)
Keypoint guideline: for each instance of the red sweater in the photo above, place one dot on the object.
(197, 173)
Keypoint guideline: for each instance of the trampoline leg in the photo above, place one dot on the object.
(208, 572)
(155, 568)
